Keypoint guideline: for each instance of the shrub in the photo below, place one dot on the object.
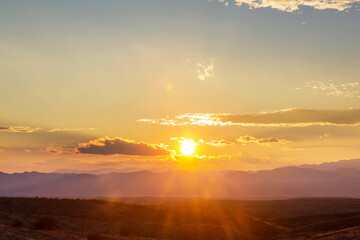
(93, 236)
(45, 223)
(129, 229)
(17, 223)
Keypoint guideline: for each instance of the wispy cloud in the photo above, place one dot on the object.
(58, 150)
(120, 146)
(214, 143)
(69, 129)
(19, 129)
(28, 129)
(294, 5)
(205, 69)
(220, 143)
(333, 89)
(281, 118)
(249, 139)
(226, 3)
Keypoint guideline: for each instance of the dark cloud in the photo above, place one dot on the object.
(119, 146)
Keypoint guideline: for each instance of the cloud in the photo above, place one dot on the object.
(19, 129)
(28, 129)
(69, 129)
(293, 5)
(333, 89)
(58, 150)
(249, 139)
(205, 69)
(220, 143)
(119, 146)
(282, 118)
(326, 135)
(214, 143)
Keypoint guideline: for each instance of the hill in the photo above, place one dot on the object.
(279, 183)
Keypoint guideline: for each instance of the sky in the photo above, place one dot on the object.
(250, 84)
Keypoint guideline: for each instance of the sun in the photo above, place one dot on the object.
(187, 147)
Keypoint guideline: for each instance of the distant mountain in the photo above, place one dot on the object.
(99, 171)
(330, 166)
(288, 182)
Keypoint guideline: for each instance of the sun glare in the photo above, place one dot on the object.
(187, 147)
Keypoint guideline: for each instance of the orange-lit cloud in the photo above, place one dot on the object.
(282, 118)
(119, 146)
(250, 139)
(293, 5)
(19, 129)
(58, 150)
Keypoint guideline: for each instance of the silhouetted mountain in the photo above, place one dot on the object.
(285, 182)
(328, 166)
(99, 171)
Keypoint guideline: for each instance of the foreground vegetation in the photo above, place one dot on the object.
(45, 218)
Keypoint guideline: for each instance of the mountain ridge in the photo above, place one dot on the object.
(279, 183)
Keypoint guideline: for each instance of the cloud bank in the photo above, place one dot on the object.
(282, 118)
(293, 5)
(119, 146)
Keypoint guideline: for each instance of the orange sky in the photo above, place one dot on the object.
(122, 84)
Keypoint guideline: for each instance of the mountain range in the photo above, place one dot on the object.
(337, 179)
